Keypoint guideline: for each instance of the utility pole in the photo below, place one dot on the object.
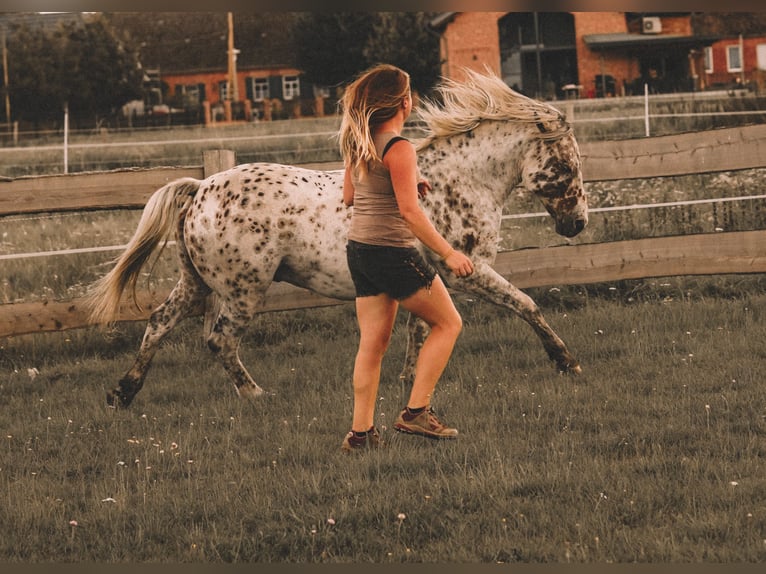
(233, 93)
(5, 81)
(537, 56)
(741, 61)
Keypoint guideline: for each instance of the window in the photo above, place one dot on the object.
(190, 94)
(733, 59)
(223, 90)
(709, 60)
(760, 55)
(259, 88)
(291, 87)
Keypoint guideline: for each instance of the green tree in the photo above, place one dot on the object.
(32, 67)
(403, 39)
(729, 23)
(85, 66)
(334, 47)
(331, 46)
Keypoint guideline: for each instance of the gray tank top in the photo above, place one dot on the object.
(376, 219)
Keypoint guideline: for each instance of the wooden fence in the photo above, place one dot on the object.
(703, 254)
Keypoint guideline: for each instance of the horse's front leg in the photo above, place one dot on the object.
(490, 285)
(417, 331)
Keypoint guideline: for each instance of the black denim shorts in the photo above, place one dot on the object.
(396, 271)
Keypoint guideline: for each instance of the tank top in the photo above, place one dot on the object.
(376, 219)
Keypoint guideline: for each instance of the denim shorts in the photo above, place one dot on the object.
(397, 271)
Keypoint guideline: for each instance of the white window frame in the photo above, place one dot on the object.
(730, 52)
(760, 51)
(260, 89)
(223, 90)
(291, 87)
(709, 66)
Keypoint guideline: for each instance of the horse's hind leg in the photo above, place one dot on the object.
(224, 338)
(417, 331)
(185, 297)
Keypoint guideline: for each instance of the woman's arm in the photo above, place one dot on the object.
(401, 161)
(348, 188)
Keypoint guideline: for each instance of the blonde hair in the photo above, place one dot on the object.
(372, 98)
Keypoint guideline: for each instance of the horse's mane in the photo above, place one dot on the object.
(464, 105)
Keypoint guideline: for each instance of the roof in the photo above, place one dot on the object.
(440, 21)
(627, 40)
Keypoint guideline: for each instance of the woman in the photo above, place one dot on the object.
(381, 182)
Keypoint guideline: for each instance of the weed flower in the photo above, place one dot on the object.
(331, 521)
(401, 516)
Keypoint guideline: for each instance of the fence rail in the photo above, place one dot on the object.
(704, 254)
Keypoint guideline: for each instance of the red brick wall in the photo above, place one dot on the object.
(471, 40)
(211, 80)
(591, 63)
(677, 25)
(722, 75)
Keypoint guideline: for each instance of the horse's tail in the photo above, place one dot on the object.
(158, 219)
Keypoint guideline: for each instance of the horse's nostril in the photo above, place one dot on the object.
(579, 225)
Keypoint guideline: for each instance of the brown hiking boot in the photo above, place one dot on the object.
(424, 424)
(352, 443)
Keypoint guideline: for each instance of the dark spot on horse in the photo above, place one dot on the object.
(469, 243)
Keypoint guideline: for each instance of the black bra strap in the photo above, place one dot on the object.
(391, 142)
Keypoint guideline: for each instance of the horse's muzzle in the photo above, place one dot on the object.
(571, 227)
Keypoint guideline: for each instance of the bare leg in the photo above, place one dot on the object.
(435, 307)
(375, 316)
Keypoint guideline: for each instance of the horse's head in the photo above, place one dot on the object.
(551, 170)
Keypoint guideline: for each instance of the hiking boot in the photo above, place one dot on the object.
(424, 424)
(354, 443)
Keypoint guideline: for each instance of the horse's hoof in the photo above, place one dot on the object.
(249, 392)
(573, 368)
(115, 399)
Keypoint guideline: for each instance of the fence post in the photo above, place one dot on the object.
(214, 161)
(646, 109)
(66, 138)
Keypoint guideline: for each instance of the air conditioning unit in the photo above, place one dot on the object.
(651, 25)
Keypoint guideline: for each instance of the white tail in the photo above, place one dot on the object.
(158, 219)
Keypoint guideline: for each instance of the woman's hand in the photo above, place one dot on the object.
(424, 186)
(458, 263)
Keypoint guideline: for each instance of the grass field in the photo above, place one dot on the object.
(656, 454)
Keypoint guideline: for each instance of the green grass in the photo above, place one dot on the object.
(656, 454)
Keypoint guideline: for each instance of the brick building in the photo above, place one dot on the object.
(559, 54)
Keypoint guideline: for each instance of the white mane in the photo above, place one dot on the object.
(485, 97)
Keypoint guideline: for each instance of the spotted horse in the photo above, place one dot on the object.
(242, 229)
